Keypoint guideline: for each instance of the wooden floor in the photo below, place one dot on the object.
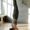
(22, 27)
(6, 26)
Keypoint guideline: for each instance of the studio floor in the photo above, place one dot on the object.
(7, 26)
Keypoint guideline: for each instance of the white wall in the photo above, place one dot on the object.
(3, 7)
(23, 12)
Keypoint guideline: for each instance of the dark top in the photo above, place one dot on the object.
(0, 18)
